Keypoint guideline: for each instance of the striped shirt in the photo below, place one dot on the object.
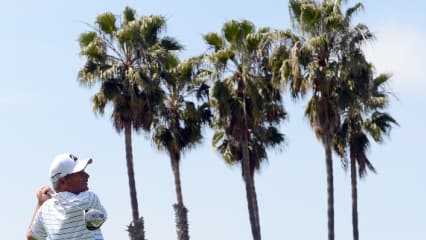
(61, 217)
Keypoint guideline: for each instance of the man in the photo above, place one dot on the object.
(61, 215)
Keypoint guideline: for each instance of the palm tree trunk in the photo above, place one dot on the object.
(136, 228)
(354, 199)
(130, 170)
(174, 158)
(255, 204)
(251, 195)
(181, 213)
(330, 189)
(181, 218)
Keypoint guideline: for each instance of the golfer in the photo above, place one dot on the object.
(62, 215)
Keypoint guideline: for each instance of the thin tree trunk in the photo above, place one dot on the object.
(255, 204)
(174, 158)
(354, 199)
(130, 170)
(330, 189)
(251, 197)
(181, 213)
(136, 228)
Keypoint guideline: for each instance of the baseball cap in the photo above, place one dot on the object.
(65, 164)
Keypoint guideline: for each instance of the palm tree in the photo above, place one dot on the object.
(362, 116)
(122, 58)
(179, 126)
(362, 100)
(313, 62)
(247, 105)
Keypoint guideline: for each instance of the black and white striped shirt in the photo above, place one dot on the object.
(62, 218)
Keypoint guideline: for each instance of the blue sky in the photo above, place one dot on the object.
(45, 112)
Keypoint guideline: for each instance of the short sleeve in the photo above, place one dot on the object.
(91, 200)
(37, 229)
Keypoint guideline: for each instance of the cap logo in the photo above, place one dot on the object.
(73, 157)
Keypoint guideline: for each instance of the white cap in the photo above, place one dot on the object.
(65, 164)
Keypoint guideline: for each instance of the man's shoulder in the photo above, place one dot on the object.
(47, 204)
(87, 196)
(87, 193)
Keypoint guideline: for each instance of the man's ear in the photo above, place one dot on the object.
(62, 182)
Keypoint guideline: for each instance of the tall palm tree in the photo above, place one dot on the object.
(180, 122)
(362, 100)
(247, 106)
(362, 116)
(122, 58)
(313, 62)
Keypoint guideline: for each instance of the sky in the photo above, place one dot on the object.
(45, 112)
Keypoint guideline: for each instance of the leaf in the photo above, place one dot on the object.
(213, 39)
(231, 30)
(217, 137)
(99, 103)
(185, 69)
(152, 24)
(129, 14)
(310, 14)
(318, 41)
(246, 27)
(264, 30)
(381, 79)
(170, 44)
(222, 56)
(253, 41)
(86, 38)
(296, 9)
(106, 22)
(357, 7)
(128, 32)
(95, 49)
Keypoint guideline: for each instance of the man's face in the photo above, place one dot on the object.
(77, 182)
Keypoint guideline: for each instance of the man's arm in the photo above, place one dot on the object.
(42, 196)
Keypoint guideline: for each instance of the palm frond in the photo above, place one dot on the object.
(151, 27)
(128, 32)
(106, 22)
(379, 125)
(380, 80)
(231, 31)
(86, 38)
(99, 103)
(129, 14)
(221, 57)
(171, 44)
(213, 39)
(352, 10)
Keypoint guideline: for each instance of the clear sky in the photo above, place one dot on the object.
(45, 112)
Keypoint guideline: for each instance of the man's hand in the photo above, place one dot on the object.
(44, 193)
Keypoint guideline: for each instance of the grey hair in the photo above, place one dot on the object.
(55, 185)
